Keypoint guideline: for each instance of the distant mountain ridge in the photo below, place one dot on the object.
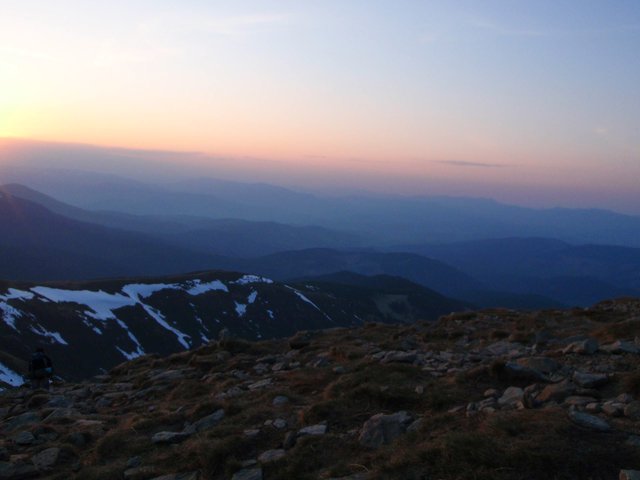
(382, 220)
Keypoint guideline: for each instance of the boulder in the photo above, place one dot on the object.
(11, 471)
(541, 364)
(319, 429)
(382, 429)
(590, 380)
(556, 392)
(205, 423)
(629, 475)
(589, 421)
(46, 459)
(248, 474)
(179, 476)
(169, 437)
(587, 346)
(271, 456)
(511, 397)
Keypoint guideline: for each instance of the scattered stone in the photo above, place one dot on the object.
(169, 437)
(24, 438)
(260, 384)
(620, 346)
(205, 423)
(271, 456)
(28, 418)
(11, 471)
(398, 357)
(542, 364)
(590, 380)
(629, 475)
(613, 409)
(588, 346)
(319, 429)
(248, 474)
(280, 400)
(511, 397)
(179, 476)
(589, 421)
(279, 423)
(556, 392)
(382, 429)
(46, 459)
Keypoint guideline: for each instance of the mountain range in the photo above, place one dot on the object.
(92, 326)
(48, 239)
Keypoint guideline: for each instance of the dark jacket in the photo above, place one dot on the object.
(40, 365)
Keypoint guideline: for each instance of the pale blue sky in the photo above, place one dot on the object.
(496, 98)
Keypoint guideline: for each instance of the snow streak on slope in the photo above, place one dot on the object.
(10, 377)
(11, 313)
(306, 300)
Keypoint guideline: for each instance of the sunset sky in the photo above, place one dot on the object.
(532, 102)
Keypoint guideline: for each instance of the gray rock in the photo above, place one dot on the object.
(629, 475)
(280, 400)
(613, 409)
(46, 459)
(590, 380)
(514, 371)
(169, 437)
(179, 476)
(28, 418)
(24, 438)
(11, 471)
(248, 474)
(511, 397)
(556, 392)
(260, 384)
(620, 346)
(588, 346)
(541, 364)
(589, 421)
(205, 423)
(383, 429)
(279, 423)
(134, 462)
(398, 357)
(271, 456)
(319, 429)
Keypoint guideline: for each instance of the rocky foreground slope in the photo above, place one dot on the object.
(487, 395)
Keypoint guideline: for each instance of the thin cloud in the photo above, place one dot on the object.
(462, 163)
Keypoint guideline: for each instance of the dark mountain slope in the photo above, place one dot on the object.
(42, 245)
(94, 325)
(572, 274)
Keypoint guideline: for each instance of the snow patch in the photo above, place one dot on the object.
(252, 297)
(10, 377)
(248, 279)
(198, 287)
(129, 356)
(270, 313)
(10, 314)
(305, 299)
(55, 336)
(241, 309)
(101, 304)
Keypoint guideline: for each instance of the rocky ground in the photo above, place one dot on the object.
(485, 395)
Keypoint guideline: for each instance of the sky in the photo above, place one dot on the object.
(531, 102)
